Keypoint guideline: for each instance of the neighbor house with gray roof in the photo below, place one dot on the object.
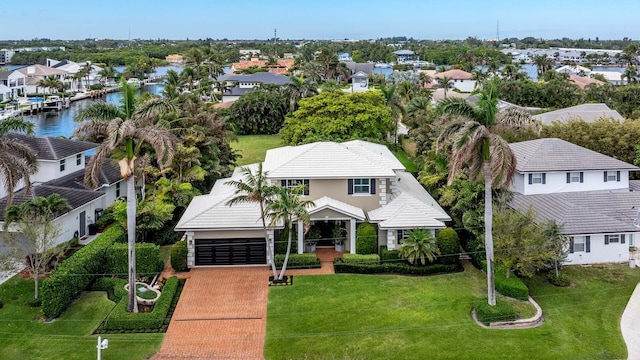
(584, 112)
(244, 83)
(350, 183)
(587, 193)
(61, 169)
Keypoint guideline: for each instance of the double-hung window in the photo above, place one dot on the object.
(361, 186)
(611, 176)
(580, 244)
(575, 177)
(79, 159)
(62, 165)
(292, 183)
(401, 235)
(537, 178)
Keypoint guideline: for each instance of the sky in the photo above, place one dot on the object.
(326, 19)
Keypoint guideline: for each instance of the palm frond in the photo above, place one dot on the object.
(92, 170)
(516, 120)
(148, 112)
(16, 124)
(163, 142)
(99, 111)
(503, 162)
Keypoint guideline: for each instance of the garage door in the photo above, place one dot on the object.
(231, 252)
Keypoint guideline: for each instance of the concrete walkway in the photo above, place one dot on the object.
(630, 325)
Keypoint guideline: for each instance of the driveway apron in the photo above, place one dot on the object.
(221, 314)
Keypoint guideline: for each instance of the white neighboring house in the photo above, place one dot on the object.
(359, 82)
(585, 112)
(460, 79)
(35, 73)
(574, 70)
(72, 69)
(613, 77)
(349, 182)
(244, 83)
(585, 192)
(61, 167)
(12, 85)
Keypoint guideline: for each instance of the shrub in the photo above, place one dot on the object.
(561, 280)
(120, 319)
(96, 87)
(390, 255)
(511, 286)
(366, 239)
(113, 286)
(486, 314)
(393, 268)
(148, 261)
(361, 259)
(106, 219)
(281, 241)
(179, 253)
(298, 261)
(34, 303)
(76, 272)
(448, 243)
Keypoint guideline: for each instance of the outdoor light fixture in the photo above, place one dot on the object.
(102, 344)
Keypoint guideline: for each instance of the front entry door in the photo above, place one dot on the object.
(83, 223)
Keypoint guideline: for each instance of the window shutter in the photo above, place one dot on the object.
(283, 183)
(350, 186)
(622, 239)
(568, 178)
(605, 176)
(618, 176)
(530, 179)
(372, 187)
(306, 186)
(587, 244)
(581, 177)
(544, 178)
(606, 239)
(571, 245)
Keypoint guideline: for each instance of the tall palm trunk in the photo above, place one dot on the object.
(131, 236)
(488, 235)
(270, 254)
(286, 257)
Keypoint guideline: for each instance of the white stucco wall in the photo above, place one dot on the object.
(556, 182)
(601, 253)
(464, 85)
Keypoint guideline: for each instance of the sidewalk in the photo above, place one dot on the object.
(629, 325)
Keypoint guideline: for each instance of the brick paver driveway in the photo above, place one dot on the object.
(221, 314)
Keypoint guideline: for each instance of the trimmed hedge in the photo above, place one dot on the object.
(76, 272)
(299, 261)
(486, 314)
(511, 286)
(148, 261)
(179, 253)
(366, 239)
(113, 286)
(120, 319)
(393, 268)
(390, 255)
(360, 259)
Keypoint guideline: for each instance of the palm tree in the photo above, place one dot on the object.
(473, 144)
(17, 160)
(479, 77)
(631, 74)
(425, 79)
(108, 72)
(446, 83)
(122, 131)
(286, 206)
(300, 88)
(394, 102)
(254, 188)
(38, 214)
(543, 63)
(420, 245)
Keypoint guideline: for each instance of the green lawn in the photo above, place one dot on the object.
(406, 161)
(254, 147)
(402, 317)
(68, 337)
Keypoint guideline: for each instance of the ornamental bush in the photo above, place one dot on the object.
(561, 280)
(76, 272)
(392, 256)
(486, 314)
(148, 261)
(299, 261)
(120, 319)
(361, 259)
(179, 253)
(366, 239)
(448, 243)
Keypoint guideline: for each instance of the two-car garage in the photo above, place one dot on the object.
(245, 251)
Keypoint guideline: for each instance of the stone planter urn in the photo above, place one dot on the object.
(142, 287)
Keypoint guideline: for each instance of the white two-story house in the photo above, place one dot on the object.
(350, 183)
(13, 84)
(585, 192)
(61, 167)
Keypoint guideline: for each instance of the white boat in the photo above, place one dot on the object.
(52, 103)
(382, 65)
(134, 82)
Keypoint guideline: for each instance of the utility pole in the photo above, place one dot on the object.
(498, 31)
